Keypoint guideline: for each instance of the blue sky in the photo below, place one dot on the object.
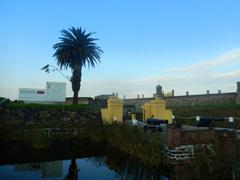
(187, 45)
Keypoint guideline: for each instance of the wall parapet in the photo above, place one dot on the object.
(199, 99)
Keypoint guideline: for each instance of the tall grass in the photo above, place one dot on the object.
(147, 146)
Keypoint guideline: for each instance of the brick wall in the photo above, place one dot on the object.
(178, 136)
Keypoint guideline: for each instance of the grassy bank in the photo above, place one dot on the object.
(146, 146)
(224, 110)
(74, 107)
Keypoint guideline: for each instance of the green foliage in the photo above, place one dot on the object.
(147, 146)
(72, 107)
(75, 50)
(76, 47)
(38, 140)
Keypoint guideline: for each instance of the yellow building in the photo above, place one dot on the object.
(157, 109)
(113, 112)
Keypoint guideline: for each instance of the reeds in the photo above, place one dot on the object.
(147, 146)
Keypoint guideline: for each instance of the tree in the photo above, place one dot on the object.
(75, 50)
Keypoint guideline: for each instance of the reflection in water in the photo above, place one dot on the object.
(51, 169)
(91, 168)
(130, 169)
(106, 163)
(72, 171)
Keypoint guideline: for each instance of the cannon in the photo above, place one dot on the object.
(154, 124)
(208, 121)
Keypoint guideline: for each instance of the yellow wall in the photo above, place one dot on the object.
(157, 109)
(114, 110)
(146, 111)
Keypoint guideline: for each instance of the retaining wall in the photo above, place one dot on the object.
(38, 115)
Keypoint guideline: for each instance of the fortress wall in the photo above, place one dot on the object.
(138, 102)
(204, 99)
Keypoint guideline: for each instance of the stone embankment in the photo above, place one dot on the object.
(40, 115)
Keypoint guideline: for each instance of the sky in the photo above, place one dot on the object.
(187, 45)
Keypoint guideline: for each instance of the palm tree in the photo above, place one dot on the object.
(75, 50)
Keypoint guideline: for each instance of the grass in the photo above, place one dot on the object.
(147, 146)
(73, 107)
(34, 136)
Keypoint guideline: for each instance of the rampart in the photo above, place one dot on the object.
(201, 99)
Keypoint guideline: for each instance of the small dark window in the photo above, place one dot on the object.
(40, 92)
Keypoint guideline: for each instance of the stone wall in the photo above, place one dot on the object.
(181, 142)
(38, 115)
(202, 99)
(138, 102)
(189, 135)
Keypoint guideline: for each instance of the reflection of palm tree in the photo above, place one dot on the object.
(72, 171)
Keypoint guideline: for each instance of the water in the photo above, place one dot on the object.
(87, 168)
(78, 162)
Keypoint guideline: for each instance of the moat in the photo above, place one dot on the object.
(96, 161)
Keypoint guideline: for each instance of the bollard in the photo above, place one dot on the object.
(197, 118)
(230, 122)
(173, 119)
(115, 120)
(134, 121)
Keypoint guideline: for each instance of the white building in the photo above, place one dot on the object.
(55, 92)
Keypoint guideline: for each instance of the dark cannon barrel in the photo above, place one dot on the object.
(156, 121)
(208, 121)
(213, 118)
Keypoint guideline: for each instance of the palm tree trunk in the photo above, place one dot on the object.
(75, 97)
(76, 82)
